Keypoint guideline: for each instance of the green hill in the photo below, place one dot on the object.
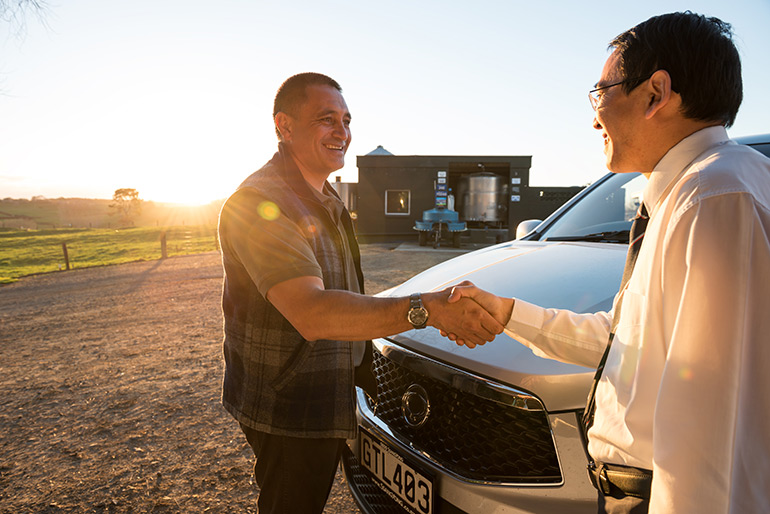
(41, 213)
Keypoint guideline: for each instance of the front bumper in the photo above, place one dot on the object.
(475, 483)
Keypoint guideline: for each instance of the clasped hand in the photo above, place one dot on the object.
(471, 316)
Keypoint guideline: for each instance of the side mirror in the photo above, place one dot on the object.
(525, 227)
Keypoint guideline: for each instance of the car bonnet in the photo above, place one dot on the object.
(581, 277)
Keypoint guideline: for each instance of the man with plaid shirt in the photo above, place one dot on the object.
(295, 315)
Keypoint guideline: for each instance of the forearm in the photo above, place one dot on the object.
(344, 316)
(551, 333)
(560, 334)
(318, 313)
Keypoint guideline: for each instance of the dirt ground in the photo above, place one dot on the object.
(110, 384)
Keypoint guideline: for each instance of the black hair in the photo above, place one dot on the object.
(699, 55)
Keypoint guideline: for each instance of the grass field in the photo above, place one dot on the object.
(27, 252)
(41, 214)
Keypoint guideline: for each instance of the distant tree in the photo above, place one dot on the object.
(126, 204)
(15, 12)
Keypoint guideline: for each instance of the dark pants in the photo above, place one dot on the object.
(618, 503)
(294, 475)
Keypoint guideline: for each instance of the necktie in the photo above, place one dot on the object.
(636, 236)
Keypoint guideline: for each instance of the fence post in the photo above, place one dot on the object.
(163, 252)
(66, 256)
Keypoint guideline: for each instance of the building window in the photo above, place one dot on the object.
(397, 201)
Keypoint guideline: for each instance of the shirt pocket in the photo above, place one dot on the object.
(293, 365)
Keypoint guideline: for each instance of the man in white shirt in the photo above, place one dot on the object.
(681, 421)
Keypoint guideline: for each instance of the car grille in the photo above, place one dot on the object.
(364, 489)
(474, 438)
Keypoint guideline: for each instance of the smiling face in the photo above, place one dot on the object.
(619, 116)
(318, 135)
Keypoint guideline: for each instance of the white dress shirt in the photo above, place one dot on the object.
(686, 388)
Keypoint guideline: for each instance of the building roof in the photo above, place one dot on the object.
(379, 151)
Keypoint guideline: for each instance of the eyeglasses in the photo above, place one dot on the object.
(595, 95)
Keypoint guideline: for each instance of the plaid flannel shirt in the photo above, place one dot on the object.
(275, 381)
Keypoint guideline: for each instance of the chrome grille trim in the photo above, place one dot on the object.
(460, 380)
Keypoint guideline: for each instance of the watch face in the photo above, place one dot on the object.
(418, 317)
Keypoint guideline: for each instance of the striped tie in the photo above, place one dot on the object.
(636, 236)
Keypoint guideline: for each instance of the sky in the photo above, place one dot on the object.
(174, 98)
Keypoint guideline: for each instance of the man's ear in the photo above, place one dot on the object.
(659, 92)
(283, 124)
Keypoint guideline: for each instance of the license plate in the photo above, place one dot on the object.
(411, 488)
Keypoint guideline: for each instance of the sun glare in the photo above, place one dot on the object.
(189, 195)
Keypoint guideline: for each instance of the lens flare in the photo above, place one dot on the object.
(685, 373)
(269, 211)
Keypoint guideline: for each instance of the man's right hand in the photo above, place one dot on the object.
(498, 307)
(468, 320)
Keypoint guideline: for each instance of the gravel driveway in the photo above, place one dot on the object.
(110, 382)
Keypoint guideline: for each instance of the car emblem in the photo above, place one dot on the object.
(415, 405)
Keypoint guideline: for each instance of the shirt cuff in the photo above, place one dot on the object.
(525, 313)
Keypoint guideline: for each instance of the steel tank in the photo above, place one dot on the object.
(348, 192)
(483, 197)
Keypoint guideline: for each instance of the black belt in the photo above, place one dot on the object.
(612, 478)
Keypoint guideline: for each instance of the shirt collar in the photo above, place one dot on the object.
(330, 200)
(293, 176)
(679, 157)
(301, 186)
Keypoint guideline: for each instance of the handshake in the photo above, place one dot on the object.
(468, 315)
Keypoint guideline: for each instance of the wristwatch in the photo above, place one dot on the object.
(418, 314)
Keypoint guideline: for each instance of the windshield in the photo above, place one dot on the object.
(604, 214)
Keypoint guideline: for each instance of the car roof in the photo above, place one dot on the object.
(753, 140)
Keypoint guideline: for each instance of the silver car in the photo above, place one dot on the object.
(496, 429)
